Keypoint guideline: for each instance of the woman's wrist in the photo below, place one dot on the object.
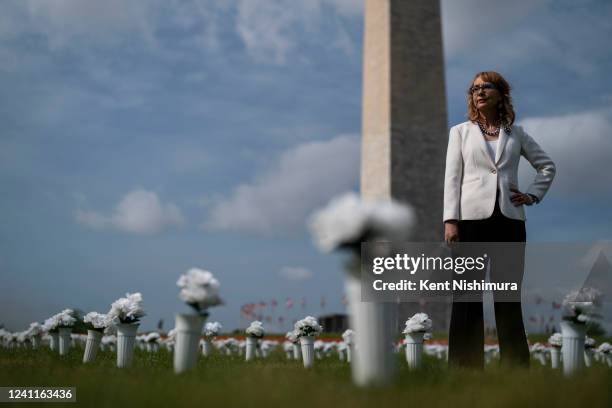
(534, 198)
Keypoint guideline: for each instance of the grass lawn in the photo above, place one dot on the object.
(221, 381)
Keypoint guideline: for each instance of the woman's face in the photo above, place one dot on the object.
(484, 95)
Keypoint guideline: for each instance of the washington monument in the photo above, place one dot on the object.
(404, 121)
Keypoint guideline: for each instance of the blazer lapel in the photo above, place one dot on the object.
(501, 144)
(480, 143)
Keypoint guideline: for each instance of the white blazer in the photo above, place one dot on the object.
(472, 178)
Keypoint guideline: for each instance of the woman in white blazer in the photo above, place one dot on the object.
(483, 203)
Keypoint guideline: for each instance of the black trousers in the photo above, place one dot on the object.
(466, 336)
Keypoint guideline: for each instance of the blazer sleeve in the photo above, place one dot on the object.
(540, 161)
(453, 176)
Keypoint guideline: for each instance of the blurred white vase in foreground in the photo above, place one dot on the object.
(187, 339)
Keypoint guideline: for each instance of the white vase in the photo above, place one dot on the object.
(297, 351)
(126, 339)
(555, 357)
(609, 359)
(349, 352)
(206, 348)
(374, 324)
(573, 346)
(54, 341)
(251, 347)
(414, 350)
(35, 341)
(188, 331)
(307, 346)
(588, 357)
(64, 340)
(342, 354)
(92, 345)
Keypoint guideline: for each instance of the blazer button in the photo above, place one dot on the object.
(493, 171)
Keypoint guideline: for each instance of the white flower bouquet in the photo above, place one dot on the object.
(307, 327)
(66, 319)
(61, 323)
(416, 328)
(171, 336)
(109, 341)
(348, 336)
(579, 310)
(581, 306)
(62, 320)
(345, 349)
(200, 290)
(605, 348)
(556, 340)
(212, 329)
(538, 351)
(96, 321)
(605, 352)
(419, 323)
(292, 336)
(255, 330)
(126, 310)
(589, 342)
(125, 314)
(347, 221)
(35, 329)
(152, 341)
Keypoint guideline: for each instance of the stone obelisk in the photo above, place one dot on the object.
(404, 121)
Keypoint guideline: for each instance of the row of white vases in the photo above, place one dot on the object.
(372, 361)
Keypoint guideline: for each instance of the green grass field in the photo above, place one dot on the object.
(221, 381)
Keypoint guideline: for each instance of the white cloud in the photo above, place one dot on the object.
(63, 21)
(467, 23)
(301, 179)
(138, 212)
(580, 144)
(295, 273)
(270, 30)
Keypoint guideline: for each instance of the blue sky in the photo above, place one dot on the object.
(140, 139)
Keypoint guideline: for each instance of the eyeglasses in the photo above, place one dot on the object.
(482, 87)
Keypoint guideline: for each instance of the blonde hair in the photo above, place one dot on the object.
(505, 108)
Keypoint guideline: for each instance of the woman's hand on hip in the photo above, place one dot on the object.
(519, 198)
(451, 231)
